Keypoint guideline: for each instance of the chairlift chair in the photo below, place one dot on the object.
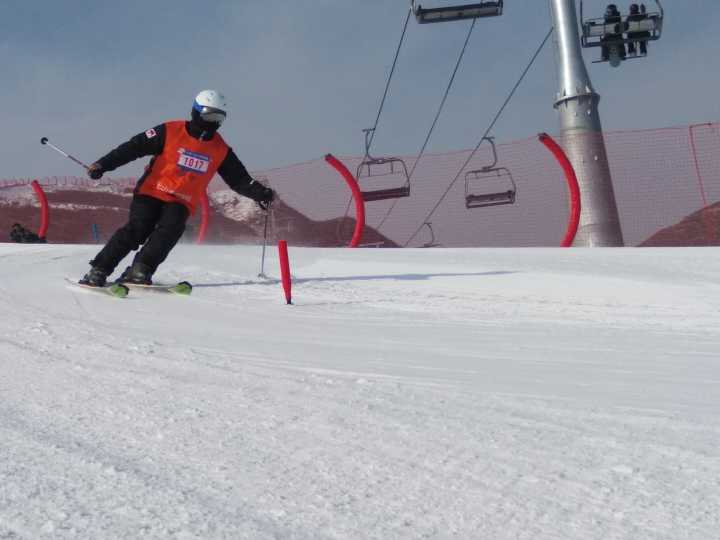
(597, 33)
(432, 243)
(477, 197)
(457, 12)
(379, 169)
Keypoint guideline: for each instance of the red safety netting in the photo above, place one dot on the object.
(660, 177)
(666, 182)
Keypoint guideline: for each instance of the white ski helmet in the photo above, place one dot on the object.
(210, 106)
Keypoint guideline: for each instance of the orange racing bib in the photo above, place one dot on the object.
(182, 172)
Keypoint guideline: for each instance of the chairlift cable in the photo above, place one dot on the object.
(487, 132)
(370, 133)
(437, 115)
(387, 84)
(444, 99)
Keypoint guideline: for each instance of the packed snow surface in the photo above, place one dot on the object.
(465, 393)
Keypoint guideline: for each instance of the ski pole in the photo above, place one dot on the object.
(262, 260)
(45, 141)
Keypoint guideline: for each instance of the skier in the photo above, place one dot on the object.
(186, 156)
(613, 39)
(637, 14)
(22, 235)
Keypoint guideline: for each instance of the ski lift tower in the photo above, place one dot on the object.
(581, 128)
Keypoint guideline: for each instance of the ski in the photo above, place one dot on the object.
(116, 290)
(184, 288)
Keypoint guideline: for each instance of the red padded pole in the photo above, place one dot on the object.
(44, 208)
(359, 202)
(285, 270)
(573, 187)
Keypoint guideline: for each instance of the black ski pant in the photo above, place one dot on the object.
(641, 37)
(156, 225)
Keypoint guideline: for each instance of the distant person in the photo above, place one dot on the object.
(21, 235)
(615, 37)
(186, 156)
(16, 233)
(637, 13)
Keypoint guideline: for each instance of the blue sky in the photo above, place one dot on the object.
(303, 78)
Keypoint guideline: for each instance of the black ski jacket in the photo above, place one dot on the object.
(152, 143)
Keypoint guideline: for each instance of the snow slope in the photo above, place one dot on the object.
(474, 394)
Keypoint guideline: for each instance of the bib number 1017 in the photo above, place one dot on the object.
(191, 161)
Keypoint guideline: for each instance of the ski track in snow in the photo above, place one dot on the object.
(407, 394)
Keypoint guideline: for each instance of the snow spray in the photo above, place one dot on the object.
(285, 270)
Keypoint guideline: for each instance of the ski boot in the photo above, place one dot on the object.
(137, 274)
(96, 277)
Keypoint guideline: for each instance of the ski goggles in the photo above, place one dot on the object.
(210, 114)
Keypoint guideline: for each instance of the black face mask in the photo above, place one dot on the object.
(200, 128)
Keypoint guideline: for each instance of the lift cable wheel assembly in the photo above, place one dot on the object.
(614, 31)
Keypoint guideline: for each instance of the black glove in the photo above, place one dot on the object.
(264, 196)
(95, 171)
